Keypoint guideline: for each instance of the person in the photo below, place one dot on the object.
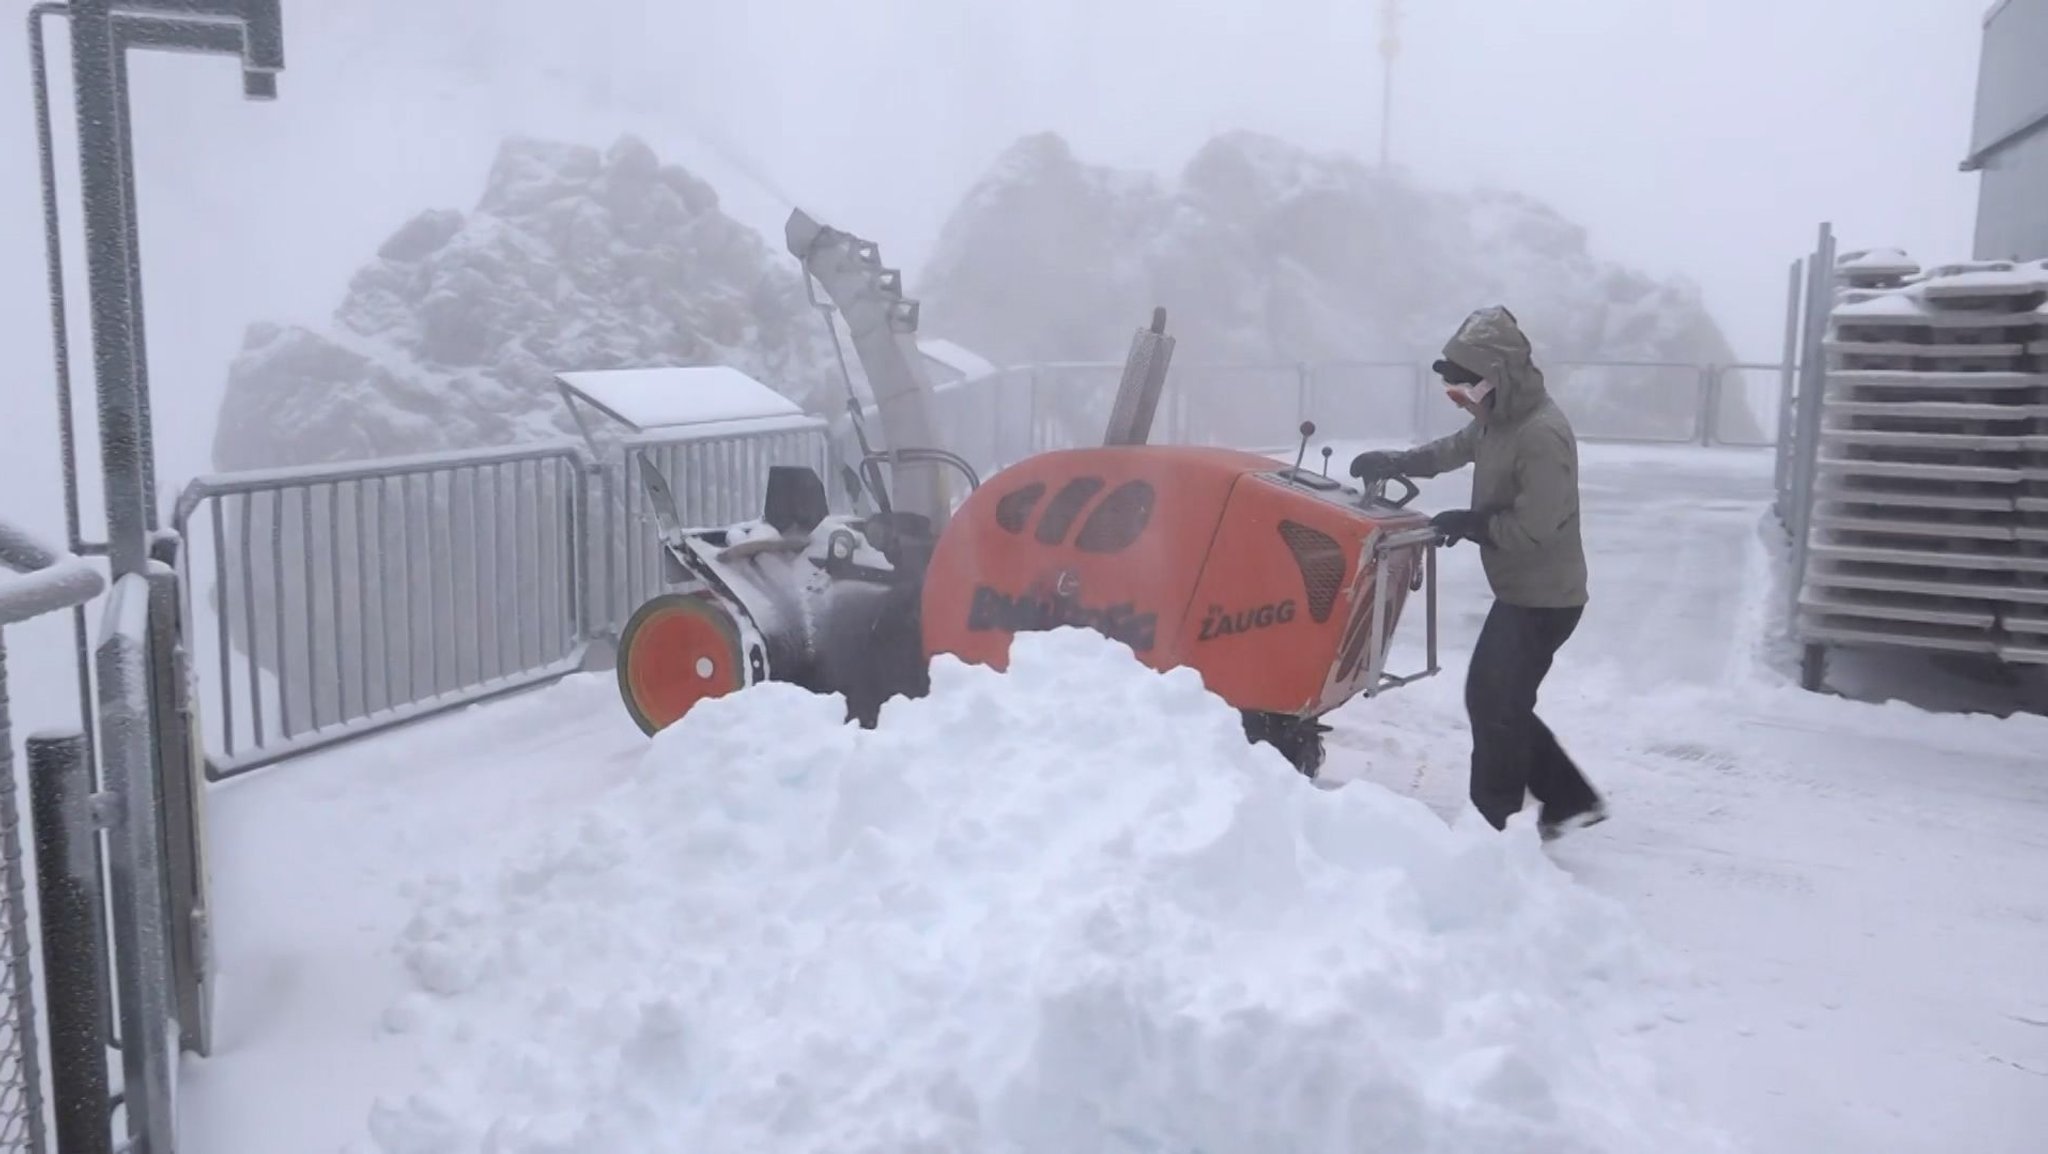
(1524, 517)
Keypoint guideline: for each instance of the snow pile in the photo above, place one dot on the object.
(572, 259)
(1061, 909)
(1263, 252)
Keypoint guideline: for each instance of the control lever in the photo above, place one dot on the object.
(1327, 450)
(1308, 429)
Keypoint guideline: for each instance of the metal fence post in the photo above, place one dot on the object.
(1709, 403)
(74, 962)
(1812, 387)
(1788, 378)
(1418, 416)
(178, 762)
(135, 857)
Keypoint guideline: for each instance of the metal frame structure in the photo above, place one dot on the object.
(507, 519)
(429, 583)
(1810, 383)
(1378, 680)
(137, 720)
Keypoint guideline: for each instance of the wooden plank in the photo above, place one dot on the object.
(2019, 654)
(1968, 442)
(2019, 624)
(1838, 631)
(1898, 609)
(1834, 490)
(1930, 558)
(1920, 472)
(1918, 349)
(1934, 380)
(2007, 591)
(1907, 527)
(1933, 410)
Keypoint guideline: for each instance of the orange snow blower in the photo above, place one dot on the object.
(1282, 587)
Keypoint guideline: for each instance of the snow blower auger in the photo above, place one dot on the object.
(1281, 586)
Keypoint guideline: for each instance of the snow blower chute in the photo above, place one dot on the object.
(1281, 586)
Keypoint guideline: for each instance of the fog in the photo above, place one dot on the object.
(1705, 141)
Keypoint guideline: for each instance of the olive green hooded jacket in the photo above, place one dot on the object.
(1525, 477)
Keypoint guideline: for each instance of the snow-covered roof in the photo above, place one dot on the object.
(659, 398)
(945, 352)
(1879, 262)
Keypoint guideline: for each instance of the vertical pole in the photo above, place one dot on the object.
(136, 861)
(1420, 413)
(1710, 403)
(1812, 387)
(60, 334)
(1788, 377)
(74, 964)
(122, 446)
(180, 816)
(1390, 48)
(1386, 111)
(53, 243)
(1303, 392)
(131, 238)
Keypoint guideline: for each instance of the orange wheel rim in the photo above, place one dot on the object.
(681, 653)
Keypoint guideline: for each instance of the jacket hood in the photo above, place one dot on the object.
(1492, 344)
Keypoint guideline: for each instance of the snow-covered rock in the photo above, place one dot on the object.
(573, 258)
(1263, 251)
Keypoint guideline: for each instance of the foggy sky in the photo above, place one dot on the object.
(1698, 140)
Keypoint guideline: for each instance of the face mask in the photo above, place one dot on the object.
(1471, 398)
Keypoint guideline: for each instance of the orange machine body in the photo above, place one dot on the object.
(1258, 576)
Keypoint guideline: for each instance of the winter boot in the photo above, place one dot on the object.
(1552, 826)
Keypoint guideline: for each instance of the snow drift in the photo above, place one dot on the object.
(1059, 909)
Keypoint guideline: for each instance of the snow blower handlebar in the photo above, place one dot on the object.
(1428, 538)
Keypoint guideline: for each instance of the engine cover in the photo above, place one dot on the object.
(1258, 576)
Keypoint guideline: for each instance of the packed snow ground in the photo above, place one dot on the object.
(1813, 924)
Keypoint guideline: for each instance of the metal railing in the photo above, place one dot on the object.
(339, 600)
(718, 479)
(331, 602)
(1014, 412)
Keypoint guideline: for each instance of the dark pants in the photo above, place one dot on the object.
(1513, 752)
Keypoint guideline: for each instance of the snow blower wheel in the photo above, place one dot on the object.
(677, 650)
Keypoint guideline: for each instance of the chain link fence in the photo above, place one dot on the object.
(34, 580)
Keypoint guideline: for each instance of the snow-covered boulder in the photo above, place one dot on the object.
(1264, 252)
(573, 258)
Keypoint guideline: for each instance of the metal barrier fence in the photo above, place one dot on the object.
(344, 599)
(331, 602)
(718, 479)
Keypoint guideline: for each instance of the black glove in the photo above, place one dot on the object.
(1374, 466)
(1461, 525)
